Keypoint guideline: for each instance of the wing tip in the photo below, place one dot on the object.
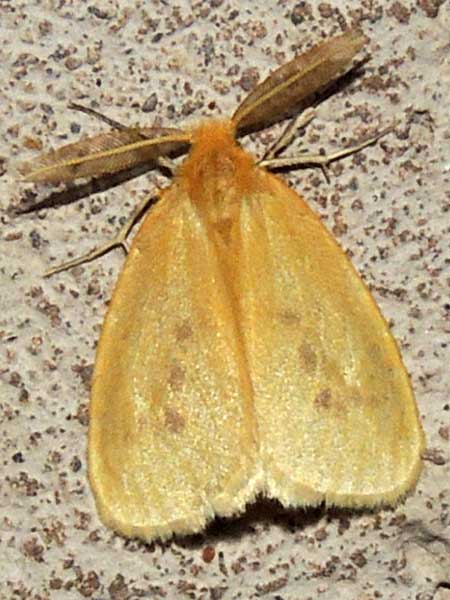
(301, 495)
(125, 520)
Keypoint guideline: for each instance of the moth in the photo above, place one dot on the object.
(241, 354)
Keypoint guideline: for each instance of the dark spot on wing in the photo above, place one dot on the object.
(183, 331)
(224, 228)
(290, 317)
(323, 398)
(174, 421)
(177, 376)
(308, 357)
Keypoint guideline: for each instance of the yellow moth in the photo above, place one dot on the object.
(241, 354)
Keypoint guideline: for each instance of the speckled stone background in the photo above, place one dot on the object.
(174, 63)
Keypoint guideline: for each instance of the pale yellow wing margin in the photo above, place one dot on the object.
(336, 413)
(171, 441)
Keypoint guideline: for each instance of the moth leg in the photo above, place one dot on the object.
(289, 133)
(166, 163)
(321, 160)
(118, 241)
(98, 115)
